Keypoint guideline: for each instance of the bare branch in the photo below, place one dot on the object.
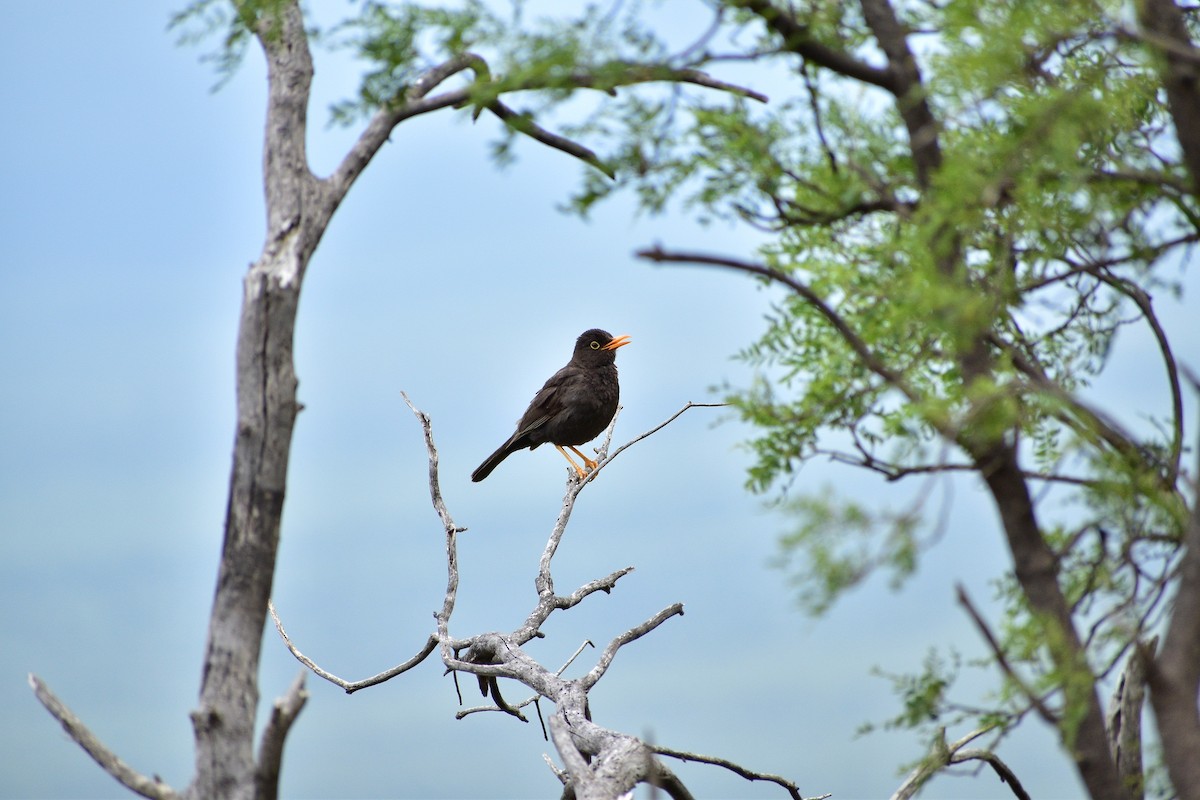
(544, 582)
(573, 760)
(128, 777)
(637, 632)
(524, 124)
(452, 531)
(529, 700)
(351, 686)
(872, 362)
(738, 769)
(270, 750)
(799, 40)
(655, 430)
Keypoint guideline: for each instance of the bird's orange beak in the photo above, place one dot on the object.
(620, 341)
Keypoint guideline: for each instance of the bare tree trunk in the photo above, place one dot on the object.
(266, 413)
(1174, 676)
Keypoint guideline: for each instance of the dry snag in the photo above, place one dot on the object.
(597, 762)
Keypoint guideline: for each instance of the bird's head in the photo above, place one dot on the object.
(597, 346)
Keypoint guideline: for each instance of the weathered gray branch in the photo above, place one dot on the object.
(737, 769)
(270, 750)
(600, 763)
(351, 686)
(1125, 720)
(128, 777)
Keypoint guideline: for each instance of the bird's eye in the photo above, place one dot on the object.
(595, 345)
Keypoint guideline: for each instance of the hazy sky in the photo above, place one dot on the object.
(131, 207)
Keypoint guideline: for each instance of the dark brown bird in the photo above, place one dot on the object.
(574, 406)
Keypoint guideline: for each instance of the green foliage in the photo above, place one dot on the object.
(980, 304)
(399, 41)
(838, 540)
(950, 311)
(924, 697)
(234, 22)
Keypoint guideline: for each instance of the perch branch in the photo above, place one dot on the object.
(128, 777)
(452, 531)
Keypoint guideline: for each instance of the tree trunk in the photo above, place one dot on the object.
(266, 414)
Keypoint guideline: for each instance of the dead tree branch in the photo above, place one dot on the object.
(737, 769)
(270, 750)
(351, 686)
(126, 775)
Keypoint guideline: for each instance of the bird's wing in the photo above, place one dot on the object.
(545, 404)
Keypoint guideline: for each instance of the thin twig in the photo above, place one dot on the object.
(634, 633)
(525, 124)
(848, 334)
(452, 531)
(1043, 711)
(350, 686)
(128, 777)
(737, 769)
(655, 430)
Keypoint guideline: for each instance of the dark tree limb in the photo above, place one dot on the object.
(1163, 20)
(737, 769)
(798, 39)
(944, 755)
(1035, 563)
(1034, 699)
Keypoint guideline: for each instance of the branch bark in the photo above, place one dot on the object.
(1174, 676)
(127, 776)
(1164, 22)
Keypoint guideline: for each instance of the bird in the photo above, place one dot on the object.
(572, 408)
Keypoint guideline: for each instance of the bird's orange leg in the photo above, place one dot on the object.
(591, 465)
(578, 469)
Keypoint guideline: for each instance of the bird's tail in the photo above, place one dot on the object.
(493, 461)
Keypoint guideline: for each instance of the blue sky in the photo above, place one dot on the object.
(131, 207)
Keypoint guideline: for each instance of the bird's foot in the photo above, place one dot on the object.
(588, 463)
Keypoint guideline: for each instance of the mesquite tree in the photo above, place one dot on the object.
(966, 201)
